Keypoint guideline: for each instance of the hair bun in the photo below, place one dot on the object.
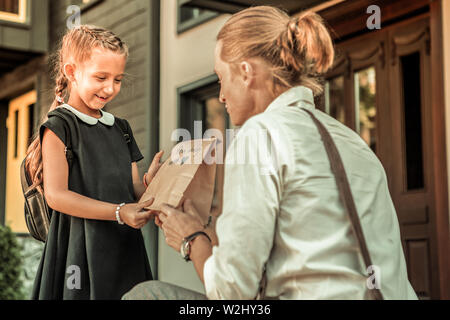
(315, 41)
(293, 24)
(289, 49)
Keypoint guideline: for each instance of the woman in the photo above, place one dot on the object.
(287, 217)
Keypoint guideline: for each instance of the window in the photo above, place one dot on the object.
(13, 10)
(334, 98)
(189, 17)
(365, 108)
(200, 102)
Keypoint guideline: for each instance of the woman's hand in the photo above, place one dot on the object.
(154, 167)
(177, 224)
(134, 214)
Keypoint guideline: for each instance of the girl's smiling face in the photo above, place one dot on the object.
(96, 81)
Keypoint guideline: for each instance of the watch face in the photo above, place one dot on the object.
(185, 250)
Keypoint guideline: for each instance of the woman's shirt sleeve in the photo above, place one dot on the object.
(246, 227)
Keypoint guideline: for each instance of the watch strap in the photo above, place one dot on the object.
(195, 235)
(186, 246)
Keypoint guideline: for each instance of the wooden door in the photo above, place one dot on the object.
(412, 172)
(356, 91)
(19, 124)
(380, 87)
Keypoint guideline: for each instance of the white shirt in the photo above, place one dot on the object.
(288, 213)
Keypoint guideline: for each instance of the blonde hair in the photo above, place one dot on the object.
(76, 45)
(298, 50)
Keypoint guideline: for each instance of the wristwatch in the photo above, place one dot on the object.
(185, 248)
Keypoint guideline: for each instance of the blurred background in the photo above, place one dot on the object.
(390, 83)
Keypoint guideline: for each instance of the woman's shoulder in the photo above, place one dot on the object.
(263, 131)
(258, 121)
(265, 125)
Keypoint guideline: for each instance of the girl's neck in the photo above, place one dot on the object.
(79, 104)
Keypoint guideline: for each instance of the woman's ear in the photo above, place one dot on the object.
(69, 71)
(247, 72)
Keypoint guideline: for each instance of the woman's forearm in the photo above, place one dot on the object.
(77, 205)
(201, 250)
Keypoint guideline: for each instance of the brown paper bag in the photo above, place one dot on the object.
(185, 174)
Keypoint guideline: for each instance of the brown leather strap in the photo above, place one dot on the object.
(337, 167)
(23, 178)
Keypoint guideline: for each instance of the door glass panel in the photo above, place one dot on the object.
(16, 133)
(31, 109)
(410, 66)
(334, 98)
(365, 90)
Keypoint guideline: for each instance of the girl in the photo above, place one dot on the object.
(94, 249)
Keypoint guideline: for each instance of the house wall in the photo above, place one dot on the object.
(185, 58)
(29, 36)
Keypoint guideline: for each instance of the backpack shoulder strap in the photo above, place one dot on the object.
(124, 128)
(24, 178)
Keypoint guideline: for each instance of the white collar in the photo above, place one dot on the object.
(107, 118)
(296, 96)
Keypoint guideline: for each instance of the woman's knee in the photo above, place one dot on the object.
(158, 290)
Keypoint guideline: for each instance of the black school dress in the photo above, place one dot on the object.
(109, 258)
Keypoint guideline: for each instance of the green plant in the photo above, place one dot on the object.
(10, 266)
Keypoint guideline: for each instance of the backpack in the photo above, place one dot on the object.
(37, 212)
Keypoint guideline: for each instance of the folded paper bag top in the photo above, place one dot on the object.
(189, 172)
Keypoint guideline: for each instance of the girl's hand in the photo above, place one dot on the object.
(154, 167)
(134, 214)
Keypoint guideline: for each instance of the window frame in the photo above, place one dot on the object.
(191, 87)
(189, 24)
(192, 95)
(23, 18)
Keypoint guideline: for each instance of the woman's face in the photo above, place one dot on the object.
(98, 80)
(233, 90)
